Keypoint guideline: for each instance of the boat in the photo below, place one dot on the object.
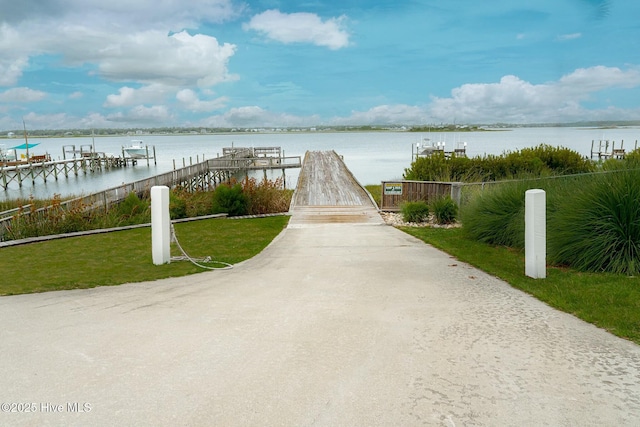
(427, 147)
(137, 149)
(7, 155)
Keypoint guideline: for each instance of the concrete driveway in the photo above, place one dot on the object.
(340, 322)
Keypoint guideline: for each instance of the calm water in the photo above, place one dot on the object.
(372, 157)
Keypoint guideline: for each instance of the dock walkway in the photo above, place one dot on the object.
(327, 192)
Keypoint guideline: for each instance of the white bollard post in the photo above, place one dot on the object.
(535, 245)
(160, 225)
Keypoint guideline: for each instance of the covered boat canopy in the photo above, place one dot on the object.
(25, 146)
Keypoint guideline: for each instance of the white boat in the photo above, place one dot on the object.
(7, 154)
(137, 150)
(428, 147)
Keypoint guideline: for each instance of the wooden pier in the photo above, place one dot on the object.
(200, 176)
(605, 149)
(328, 193)
(428, 148)
(45, 170)
(75, 161)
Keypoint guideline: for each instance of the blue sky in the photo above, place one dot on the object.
(270, 63)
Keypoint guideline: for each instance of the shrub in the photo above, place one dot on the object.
(496, 216)
(266, 196)
(414, 211)
(596, 226)
(444, 210)
(542, 160)
(230, 199)
(133, 210)
(430, 168)
(177, 205)
(187, 204)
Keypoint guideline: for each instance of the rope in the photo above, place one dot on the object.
(196, 261)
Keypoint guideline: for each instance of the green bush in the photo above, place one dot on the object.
(266, 196)
(133, 210)
(414, 211)
(543, 160)
(189, 204)
(230, 199)
(177, 205)
(496, 215)
(430, 168)
(596, 226)
(445, 210)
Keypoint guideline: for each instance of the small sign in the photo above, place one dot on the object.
(393, 189)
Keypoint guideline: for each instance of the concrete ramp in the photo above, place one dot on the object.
(327, 193)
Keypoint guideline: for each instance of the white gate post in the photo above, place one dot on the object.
(160, 225)
(535, 244)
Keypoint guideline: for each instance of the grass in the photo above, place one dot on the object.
(609, 301)
(376, 192)
(125, 256)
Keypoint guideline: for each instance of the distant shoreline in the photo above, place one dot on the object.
(186, 131)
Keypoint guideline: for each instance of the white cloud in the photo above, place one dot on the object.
(300, 28)
(253, 116)
(513, 100)
(121, 54)
(93, 121)
(191, 101)
(12, 59)
(45, 121)
(384, 115)
(22, 95)
(11, 70)
(125, 96)
(76, 95)
(128, 96)
(597, 78)
(570, 36)
(156, 115)
(124, 13)
(153, 57)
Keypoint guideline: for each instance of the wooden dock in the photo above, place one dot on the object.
(201, 176)
(606, 149)
(327, 192)
(83, 159)
(44, 169)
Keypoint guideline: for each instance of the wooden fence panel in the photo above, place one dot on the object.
(394, 193)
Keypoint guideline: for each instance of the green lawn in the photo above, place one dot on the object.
(125, 256)
(609, 301)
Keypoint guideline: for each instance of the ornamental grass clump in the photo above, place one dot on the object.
(445, 210)
(414, 211)
(596, 226)
(267, 196)
(496, 215)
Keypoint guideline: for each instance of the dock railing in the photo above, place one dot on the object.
(203, 176)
